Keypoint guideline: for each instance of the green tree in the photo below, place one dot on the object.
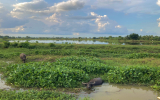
(134, 36)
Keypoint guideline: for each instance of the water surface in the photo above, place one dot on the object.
(62, 41)
(86, 42)
(121, 92)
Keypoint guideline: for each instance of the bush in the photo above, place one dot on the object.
(6, 44)
(31, 47)
(51, 45)
(23, 44)
(14, 44)
(143, 55)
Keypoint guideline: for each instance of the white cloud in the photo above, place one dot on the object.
(30, 6)
(16, 29)
(99, 21)
(41, 7)
(76, 34)
(158, 2)
(118, 26)
(159, 24)
(158, 19)
(54, 18)
(93, 14)
(58, 21)
(7, 21)
(92, 23)
(34, 17)
(141, 30)
(69, 5)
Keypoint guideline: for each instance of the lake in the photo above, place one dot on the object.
(83, 42)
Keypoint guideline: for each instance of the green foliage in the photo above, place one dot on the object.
(135, 74)
(143, 55)
(31, 47)
(6, 44)
(88, 64)
(133, 36)
(9, 55)
(14, 44)
(23, 44)
(156, 87)
(35, 95)
(42, 74)
(51, 45)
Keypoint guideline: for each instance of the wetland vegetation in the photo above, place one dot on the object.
(61, 68)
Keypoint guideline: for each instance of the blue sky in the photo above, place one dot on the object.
(79, 18)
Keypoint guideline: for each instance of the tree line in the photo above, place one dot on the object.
(132, 36)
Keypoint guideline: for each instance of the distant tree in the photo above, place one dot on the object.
(27, 37)
(110, 37)
(120, 38)
(134, 36)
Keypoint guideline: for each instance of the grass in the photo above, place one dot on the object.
(35, 95)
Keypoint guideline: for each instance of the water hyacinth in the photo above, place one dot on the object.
(42, 74)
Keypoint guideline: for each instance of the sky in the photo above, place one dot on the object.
(79, 18)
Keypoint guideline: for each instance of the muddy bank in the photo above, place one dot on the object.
(3, 85)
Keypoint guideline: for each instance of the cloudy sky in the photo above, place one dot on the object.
(79, 18)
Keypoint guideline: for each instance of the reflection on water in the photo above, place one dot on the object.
(63, 41)
(86, 42)
(121, 92)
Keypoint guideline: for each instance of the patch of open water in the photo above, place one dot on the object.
(108, 91)
(85, 42)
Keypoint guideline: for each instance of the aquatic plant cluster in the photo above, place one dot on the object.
(45, 75)
(71, 71)
(35, 95)
(134, 74)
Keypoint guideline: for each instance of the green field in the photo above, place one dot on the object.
(63, 67)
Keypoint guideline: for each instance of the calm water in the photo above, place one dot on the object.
(62, 41)
(121, 92)
(84, 42)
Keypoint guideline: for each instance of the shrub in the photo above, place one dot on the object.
(31, 47)
(14, 44)
(23, 44)
(51, 45)
(6, 44)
